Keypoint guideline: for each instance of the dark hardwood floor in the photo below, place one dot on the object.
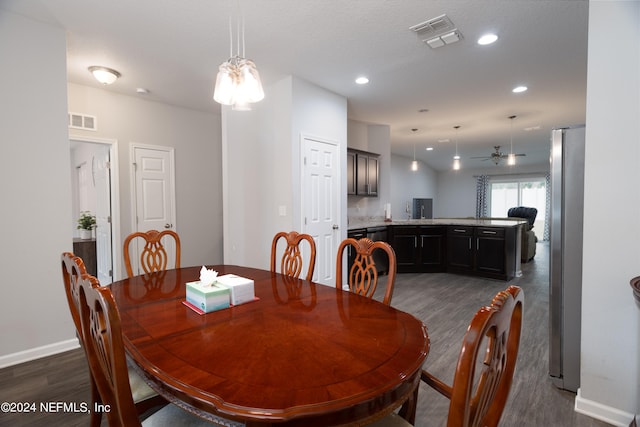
(444, 302)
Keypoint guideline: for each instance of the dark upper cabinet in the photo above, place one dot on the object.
(362, 173)
(351, 172)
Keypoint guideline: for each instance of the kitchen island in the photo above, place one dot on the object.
(479, 247)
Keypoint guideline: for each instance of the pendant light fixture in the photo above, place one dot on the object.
(456, 158)
(238, 82)
(414, 163)
(511, 158)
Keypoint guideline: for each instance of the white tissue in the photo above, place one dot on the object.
(207, 277)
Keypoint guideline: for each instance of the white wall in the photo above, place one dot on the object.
(374, 139)
(456, 190)
(262, 155)
(195, 135)
(610, 363)
(407, 185)
(35, 188)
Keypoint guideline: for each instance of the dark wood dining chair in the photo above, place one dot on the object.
(72, 270)
(105, 352)
(362, 276)
(145, 398)
(485, 367)
(153, 256)
(291, 263)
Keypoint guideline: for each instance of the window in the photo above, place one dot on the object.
(530, 192)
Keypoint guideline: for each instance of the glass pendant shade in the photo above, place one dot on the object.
(511, 159)
(414, 165)
(226, 84)
(456, 163)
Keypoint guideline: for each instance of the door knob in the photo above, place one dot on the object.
(167, 225)
(335, 226)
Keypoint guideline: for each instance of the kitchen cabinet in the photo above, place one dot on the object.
(419, 249)
(460, 248)
(482, 251)
(351, 172)
(472, 249)
(362, 173)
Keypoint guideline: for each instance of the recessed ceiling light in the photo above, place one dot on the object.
(444, 140)
(142, 91)
(362, 80)
(429, 148)
(487, 39)
(519, 89)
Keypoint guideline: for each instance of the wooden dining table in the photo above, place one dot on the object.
(300, 354)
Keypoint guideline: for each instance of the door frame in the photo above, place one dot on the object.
(339, 174)
(116, 250)
(172, 184)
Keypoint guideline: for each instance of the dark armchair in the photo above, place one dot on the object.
(528, 236)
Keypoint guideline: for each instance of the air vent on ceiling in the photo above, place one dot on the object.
(433, 27)
(437, 32)
(82, 121)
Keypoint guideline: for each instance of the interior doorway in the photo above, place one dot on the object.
(320, 203)
(94, 181)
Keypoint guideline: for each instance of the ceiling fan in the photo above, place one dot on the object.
(497, 155)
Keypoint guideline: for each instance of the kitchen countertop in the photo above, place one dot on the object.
(488, 222)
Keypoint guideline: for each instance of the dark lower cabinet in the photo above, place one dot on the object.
(473, 250)
(482, 251)
(431, 257)
(490, 251)
(419, 249)
(459, 249)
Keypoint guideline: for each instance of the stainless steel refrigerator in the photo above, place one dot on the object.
(565, 250)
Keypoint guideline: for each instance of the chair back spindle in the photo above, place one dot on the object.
(153, 256)
(292, 263)
(362, 276)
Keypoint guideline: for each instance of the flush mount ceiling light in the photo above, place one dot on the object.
(519, 89)
(238, 82)
(362, 80)
(487, 39)
(104, 75)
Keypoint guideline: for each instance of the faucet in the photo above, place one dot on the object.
(422, 212)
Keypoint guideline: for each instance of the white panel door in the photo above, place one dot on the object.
(101, 170)
(321, 198)
(154, 193)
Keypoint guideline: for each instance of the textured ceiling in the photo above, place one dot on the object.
(173, 49)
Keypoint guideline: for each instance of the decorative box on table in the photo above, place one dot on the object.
(208, 298)
(241, 288)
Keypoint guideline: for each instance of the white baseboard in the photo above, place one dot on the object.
(38, 352)
(602, 412)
